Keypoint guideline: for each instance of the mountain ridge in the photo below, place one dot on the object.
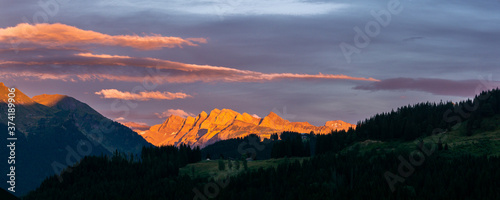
(206, 129)
(20, 97)
(54, 128)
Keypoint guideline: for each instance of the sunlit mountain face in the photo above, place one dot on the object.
(154, 87)
(206, 129)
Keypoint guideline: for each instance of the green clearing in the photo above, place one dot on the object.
(481, 143)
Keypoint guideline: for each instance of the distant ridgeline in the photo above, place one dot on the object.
(418, 121)
(412, 122)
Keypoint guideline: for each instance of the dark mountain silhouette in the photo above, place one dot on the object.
(5, 195)
(56, 131)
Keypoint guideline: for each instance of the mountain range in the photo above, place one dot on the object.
(56, 131)
(206, 129)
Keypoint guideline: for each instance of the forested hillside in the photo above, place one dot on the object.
(411, 122)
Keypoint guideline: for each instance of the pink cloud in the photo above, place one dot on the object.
(141, 96)
(176, 112)
(256, 116)
(64, 35)
(136, 126)
(80, 66)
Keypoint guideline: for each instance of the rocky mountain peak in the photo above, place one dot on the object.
(225, 124)
(225, 116)
(203, 114)
(245, 117)
(171, 121)
(338, 124)
(20, 97)
(272, 120)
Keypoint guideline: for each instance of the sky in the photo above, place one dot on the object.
(306, 60)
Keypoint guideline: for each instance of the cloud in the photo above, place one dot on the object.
(263, 7)
(462, 88)
(411, 39)
(176, 112)
(88, 66)
(255, 115)
(90, 55)
(141, 96)
(64, 35)
(136, 126)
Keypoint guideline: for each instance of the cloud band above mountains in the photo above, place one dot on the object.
(463, 88)
(141, 96)
(64, 35)
(59, 52)
(88, 66)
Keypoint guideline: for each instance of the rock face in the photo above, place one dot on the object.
(206, 129)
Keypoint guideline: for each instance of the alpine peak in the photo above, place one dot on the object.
(20, 98)
(224, 124)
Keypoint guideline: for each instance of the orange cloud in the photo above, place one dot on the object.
(207, 73)
(101, 55)
(313, 76)
(61, 35)
(141, 96)
(136, 126)
(176, 112)
(81, 66)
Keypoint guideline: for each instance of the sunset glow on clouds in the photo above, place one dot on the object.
(251, 56)
(65, 35)
(176, 112)
(84, 65)
(81, 66)
(141, 96)
(136, 125)
(207, 73)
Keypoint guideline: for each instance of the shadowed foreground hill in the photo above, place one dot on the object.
(56, 131)
(327, 176)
